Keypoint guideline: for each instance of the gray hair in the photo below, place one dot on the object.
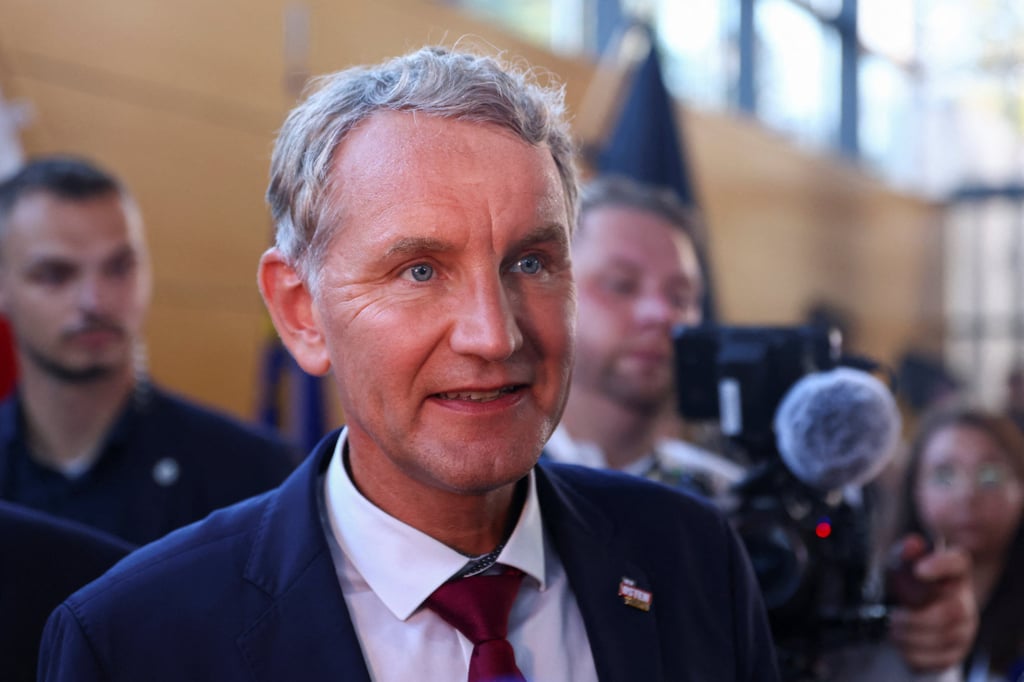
(619, 190)
(432, 80)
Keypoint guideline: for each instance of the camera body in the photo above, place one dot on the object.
(739, 375)
(809, 548)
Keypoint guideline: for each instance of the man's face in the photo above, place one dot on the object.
(638, 276)
(74, 283)
(446, 303)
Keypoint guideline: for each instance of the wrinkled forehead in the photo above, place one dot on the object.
(394, 159)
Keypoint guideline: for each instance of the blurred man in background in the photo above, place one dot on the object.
(637, 277)
(86, 434)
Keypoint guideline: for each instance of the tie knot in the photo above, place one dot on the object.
(478, 606)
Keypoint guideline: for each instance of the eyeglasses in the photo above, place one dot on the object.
(987, 478)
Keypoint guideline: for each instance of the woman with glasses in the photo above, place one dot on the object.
(964, 487)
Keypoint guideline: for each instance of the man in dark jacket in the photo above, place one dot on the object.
(87, 435)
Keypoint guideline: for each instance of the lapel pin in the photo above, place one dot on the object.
(166, 472)
(634, 596)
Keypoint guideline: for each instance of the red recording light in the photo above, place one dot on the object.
(823, 529)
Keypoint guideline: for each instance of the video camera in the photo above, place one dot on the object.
(809, 546)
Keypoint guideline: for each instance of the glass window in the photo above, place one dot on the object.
(984, 271)
(890, 119)
(887, 28)
(530, 19)
(798, 62)
(699, 59)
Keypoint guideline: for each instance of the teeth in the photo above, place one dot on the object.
(475, 396)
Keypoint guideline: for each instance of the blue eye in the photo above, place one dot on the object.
(529, 265)
(421, 272)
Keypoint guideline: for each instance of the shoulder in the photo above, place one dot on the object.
(626, 499)
(671, 530)
(678, 546)
(176, 604)
(199, 559)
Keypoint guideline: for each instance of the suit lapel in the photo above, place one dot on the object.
(307, 627)
(623, 638)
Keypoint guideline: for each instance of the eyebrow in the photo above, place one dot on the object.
(414, 245)
(553, 232)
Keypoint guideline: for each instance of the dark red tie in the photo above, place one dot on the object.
(478, 607)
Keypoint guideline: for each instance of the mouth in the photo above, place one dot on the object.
(94, 331)
(479, 396)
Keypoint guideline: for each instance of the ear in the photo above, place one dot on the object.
(290, 304)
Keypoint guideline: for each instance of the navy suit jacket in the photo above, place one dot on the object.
(251, 592)
(43, 559)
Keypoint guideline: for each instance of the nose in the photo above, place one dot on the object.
(654, 308)
(485, 323)
(90, 293)
(95, 293)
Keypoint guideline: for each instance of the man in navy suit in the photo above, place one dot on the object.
(424, 209)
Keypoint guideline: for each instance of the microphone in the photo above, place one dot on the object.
(837, 428)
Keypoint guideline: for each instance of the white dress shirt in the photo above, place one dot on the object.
(387, 568)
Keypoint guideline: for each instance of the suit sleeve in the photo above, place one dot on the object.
(753, 635)
(66, 654)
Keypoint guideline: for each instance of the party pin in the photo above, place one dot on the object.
(634, 596)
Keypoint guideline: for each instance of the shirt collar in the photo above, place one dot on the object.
(403, 565)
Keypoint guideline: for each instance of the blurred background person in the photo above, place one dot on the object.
(637, 277)
(964, 487)
(87, 435)
(45, 559)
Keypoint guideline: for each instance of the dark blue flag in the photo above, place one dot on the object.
(646, 145)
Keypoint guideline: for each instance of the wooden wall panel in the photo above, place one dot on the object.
(223, 56)
(788, 228)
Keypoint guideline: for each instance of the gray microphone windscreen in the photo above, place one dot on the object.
(837, 428)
